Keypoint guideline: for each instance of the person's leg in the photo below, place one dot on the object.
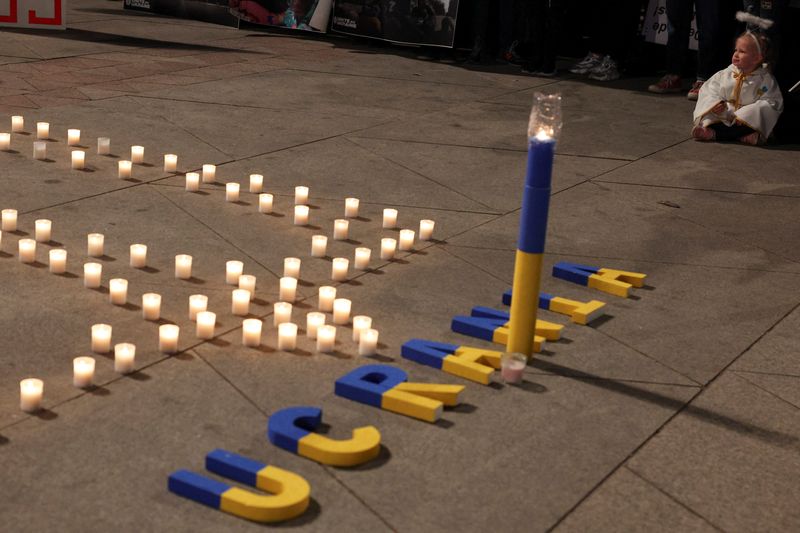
(480, 17)
(730, 133)
(711, 48)
(679, 20)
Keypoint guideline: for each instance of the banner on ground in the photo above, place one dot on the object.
(656, 28)
(33, 14)
(309, 15)
(214, 11)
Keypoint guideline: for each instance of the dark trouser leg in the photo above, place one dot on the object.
(711, 48)
(679, 20)
(731, 133)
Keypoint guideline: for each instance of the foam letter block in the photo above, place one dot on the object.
(367, 384)
(489, 329)
(612, 281)
(579, 312)
(474, 364)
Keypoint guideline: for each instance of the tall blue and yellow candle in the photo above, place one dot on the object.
(543, 130)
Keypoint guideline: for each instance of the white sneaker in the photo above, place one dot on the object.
(586, 64)
(605, 71)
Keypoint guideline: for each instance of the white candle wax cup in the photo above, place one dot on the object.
(73, 137)
(5, 141)
(124, 169)
(138, 255)
(197, 304)
(118, 291)
(151, 306)
(288, 290)
(58, 261)
(319, 246)
(183, 266)
(314, 320)
(426, 229)
(362, 257)
(43, 230)
(124, 357)
(192, 181)
(92, 275)
(300, 195)
(31, 391)
(248, 283)
(103, 146)
(170, 162)
(27, 250)
(94, 244)
(368, 342)
(287, 336)
(137, 155)
(251, 332)
(256, 183)
(209, 173)
(388, 247)
(265, 203)
(101, 338)
(326, 297)
(82, 372)
(389, 218)
(351, 207)
(341, 311)
(240, 302)
(206, 323)
(341, 229)
(339, 268)
(233, 269)
(168, 337)
(231, 192)
(9, 220)
(78, 160)
(406, 240)
(43, 130)
(326, 339)
(17, 124)
(301, 215)
(512, 367)
(281, 312)
(360, 323)
(291, 267)
(39, 150)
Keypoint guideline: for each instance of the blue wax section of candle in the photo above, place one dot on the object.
(536, 196)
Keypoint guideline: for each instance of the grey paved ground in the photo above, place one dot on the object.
(679, 411)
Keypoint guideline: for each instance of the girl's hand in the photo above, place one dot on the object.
(719, 108)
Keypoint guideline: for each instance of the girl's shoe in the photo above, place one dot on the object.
(751, 138)
(699, 133)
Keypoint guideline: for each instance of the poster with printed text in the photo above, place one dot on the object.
(655, 28)
(49, 14)
(309, 15)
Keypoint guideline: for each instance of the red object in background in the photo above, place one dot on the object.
(34, 19)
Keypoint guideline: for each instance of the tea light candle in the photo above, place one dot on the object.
(389, 218)
(341, 311)
(248, 283)
(368, 342)
(73, 137)
(101, 338)
(388, 247)
(240, 302)
(197, 304)
(300, 195)
(301, 215)
(124, 169)
(39, 150)
(281, 312)
(326, 297)
(43, 130)
(168, 336)
(118, 291)
(251, 332)
(92, 275)
(326, 339)
(183, 266)
(5, 141)
(94, 244)
(31, 391)
(82, 371)
(362, 258)
(512, 367)
(351, 207)
(17, 124)
(339, 268)
(341, 228)
(206, 322)
(192, 181)
(170, 162)
(78, 159)
(209, 173)
(103, 146)
(138, 255)
(426, 229)
(265, 203)
(291, 267)
(288, 290)
(287, 336)
(231, 192)
(406, 239)
(43, 231)
(9, 220)
(256, 182)
(360, 323)
(27, 250)
(151, 306)
(124, 357)
(319, 246)
(58, 261)
(233, 269)
(314, 320)
(137, 154)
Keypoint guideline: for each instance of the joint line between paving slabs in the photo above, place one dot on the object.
(756, 385)
(699, 189)
(358, 498)
(229, 382)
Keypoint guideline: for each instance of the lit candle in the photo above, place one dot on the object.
(30, 394)
(512, 367)
(209, 173)
(9, 220)
(43, 231)
(341, 310)
(43, 130)
(248, 283)
(300, 195)
(291, 267)
(341, 228)
(5, 141)
(124, 357)
(288, 290)
(326, 338)
(319, 246)
(301, 215)
(265, 203)
(314, 320)
(326, 297)
(251, 332)
(368, 342)
(170, 162)
(138, 255)
(360, 323)
(339, 268)
(426, 229)
(137, 154)
(168, 336)
(362, 258)
(58, 261)
(151, 306)
(103, 146)
(406, 239)
(197, 304)
(183, 266)
(124, 169)
(82, 371)
(287, 336)
(40, 150)
(17, 124)
(388, 247)
(73, 137)
(92, 275)
(118, 291)
(231, 192)
(351, 207)
(281, 312)
(256, 182)
(94, 244)
(78, 159)
(206, 322)
(389, 218)
(192, 181)
(101, 338)
(233, 269)
(27, 251)
(240, 302)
